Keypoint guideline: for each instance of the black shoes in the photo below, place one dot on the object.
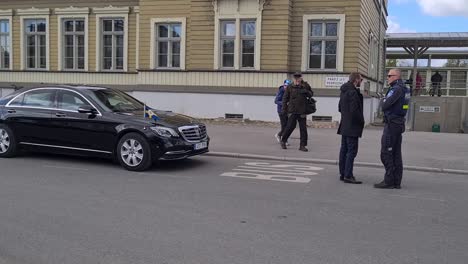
(383, 185)
(284, 144)
(351, 180)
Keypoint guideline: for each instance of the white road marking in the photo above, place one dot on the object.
(256, 176)
(273, 172)
(301, 173)
(283, 166)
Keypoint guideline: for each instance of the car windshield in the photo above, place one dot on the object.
(116, 101)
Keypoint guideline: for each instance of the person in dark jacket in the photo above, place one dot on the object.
(279, 107)
(294, 104)
(351, 126)
(395, 106)
(436, 80)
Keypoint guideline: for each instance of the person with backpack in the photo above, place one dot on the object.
(295, 102)
(279, 108)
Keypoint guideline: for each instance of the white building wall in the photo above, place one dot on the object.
(5, 92)
(254, 107)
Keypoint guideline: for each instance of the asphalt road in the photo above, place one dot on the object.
(224, 211)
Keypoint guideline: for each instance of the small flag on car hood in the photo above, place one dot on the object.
(149, 113)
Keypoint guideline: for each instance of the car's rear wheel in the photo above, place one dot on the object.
(133, 152)
(8, 144)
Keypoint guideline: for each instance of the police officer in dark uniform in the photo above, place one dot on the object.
(395, 105)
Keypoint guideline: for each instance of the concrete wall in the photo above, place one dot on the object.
(452, 116)
(254, 107)
(371, 106)
(5, 92)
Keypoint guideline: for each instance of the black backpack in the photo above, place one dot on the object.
(310, 105)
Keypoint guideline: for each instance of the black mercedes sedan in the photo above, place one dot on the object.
(96, 121)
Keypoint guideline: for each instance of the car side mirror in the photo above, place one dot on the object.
(87, 110)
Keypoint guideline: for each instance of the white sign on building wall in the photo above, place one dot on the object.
(335, 81)
(429, 109)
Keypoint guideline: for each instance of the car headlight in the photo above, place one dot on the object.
(165, 131)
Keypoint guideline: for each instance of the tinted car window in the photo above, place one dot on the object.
(7, 98)
(116, 101)
(18, 101)
(70, 101)
(37, 98)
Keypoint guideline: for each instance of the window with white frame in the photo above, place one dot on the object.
(323, 44)
(36, 46)
(230, 51)
(112, 43)
(248, 34)
(5, 44)
(73, 44)
(228, 39)
(168, 45)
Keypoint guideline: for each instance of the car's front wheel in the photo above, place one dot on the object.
(133, 152)
(8, 144)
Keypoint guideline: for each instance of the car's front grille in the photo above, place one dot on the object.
(193, 133)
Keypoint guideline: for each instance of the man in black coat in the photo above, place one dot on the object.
(294, 104)
(351, 126)
(436, 80)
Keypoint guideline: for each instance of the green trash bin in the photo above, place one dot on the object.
(436, 128)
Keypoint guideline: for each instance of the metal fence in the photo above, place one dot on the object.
(454, 82)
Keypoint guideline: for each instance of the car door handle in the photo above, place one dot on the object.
(11, 111)
(60, 115)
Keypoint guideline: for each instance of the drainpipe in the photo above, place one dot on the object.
(380, 46)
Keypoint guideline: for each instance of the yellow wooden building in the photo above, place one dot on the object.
(185, 55)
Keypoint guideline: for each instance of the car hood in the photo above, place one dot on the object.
(163, 118)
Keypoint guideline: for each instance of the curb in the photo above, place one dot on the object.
(329, 162)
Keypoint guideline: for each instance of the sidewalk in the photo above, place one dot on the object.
(421, 150)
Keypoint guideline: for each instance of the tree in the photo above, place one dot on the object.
(456, 63)
(391, 63)
(398, 63)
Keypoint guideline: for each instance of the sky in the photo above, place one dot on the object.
(427, 16)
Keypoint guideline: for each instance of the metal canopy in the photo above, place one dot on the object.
(416, 44)
(434, 54)
(433, 40)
